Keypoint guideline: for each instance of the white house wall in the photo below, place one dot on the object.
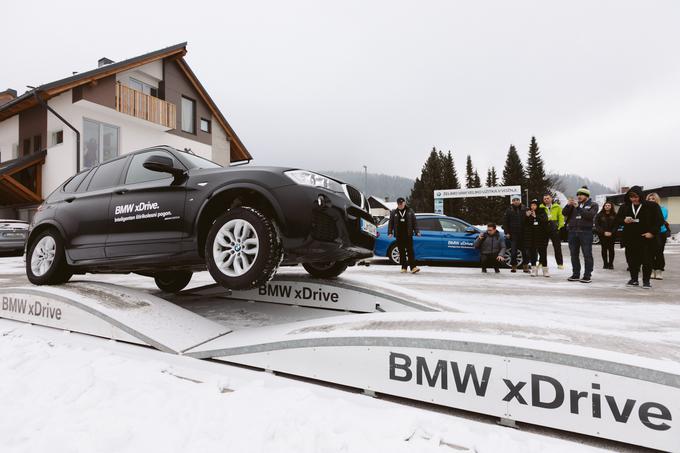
(134, 134)
(9, 138)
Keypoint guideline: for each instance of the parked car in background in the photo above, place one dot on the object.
(13, 235)
(442, 239)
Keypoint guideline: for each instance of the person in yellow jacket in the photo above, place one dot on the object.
(556, 219)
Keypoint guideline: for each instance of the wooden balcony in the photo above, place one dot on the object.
(146, 107)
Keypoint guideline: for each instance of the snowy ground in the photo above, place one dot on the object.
(72, 393)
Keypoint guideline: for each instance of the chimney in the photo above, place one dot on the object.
(103, 61)
(7, 95)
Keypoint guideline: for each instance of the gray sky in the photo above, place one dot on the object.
(338, 85)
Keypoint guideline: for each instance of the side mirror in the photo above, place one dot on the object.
(162, 164)
(471, 230)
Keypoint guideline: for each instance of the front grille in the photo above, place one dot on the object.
(323, 227)
(354, 195)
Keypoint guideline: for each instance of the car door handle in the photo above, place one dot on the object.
(121, 191)
(69, 199)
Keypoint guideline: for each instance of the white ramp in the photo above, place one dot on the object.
(109, 311)
(601, 393)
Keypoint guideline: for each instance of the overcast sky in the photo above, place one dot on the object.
(338, 85)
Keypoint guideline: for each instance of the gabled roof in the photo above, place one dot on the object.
(52, 89)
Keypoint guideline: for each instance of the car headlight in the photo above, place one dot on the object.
(309, 178)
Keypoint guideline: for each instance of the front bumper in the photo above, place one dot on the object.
(12, 245)
(331, 232)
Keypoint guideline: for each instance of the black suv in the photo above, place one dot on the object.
(166, 213)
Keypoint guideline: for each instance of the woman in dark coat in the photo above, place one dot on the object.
(536, 232)
(606, 226)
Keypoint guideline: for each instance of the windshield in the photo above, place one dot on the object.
(194, 161)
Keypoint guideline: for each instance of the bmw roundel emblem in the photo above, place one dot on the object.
(439, 194)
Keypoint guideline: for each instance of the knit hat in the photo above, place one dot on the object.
(534, 201)
(583, 191)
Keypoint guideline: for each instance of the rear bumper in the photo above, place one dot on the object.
(331, 232)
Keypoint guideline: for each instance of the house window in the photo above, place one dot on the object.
(26, 147)
(188, 115)
(205, 125)
(37, 143)
(100, 142)
(57, 137)
(143, 87)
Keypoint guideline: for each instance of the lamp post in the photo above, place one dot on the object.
(365, 180)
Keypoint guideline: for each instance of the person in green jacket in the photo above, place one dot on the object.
(556, 219)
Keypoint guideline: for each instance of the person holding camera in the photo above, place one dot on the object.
(642, 221)
(536, 233)
(491, 245)
(580, 214)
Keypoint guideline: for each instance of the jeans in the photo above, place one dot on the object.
(581, 241)
(406, 255)
(537, 254)
(640, 253)
(607, 244)
(516, 243)
(659, 262)
(557, 246)
(489, 260)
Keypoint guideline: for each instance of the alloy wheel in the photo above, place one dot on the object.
(235, 247)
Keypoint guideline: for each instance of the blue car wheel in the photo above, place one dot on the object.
(393, 254)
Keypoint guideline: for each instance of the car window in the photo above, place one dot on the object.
(452, 226)
(73, 183)
(137, 173)
(107, 175)
(428, 224)
(194, 161)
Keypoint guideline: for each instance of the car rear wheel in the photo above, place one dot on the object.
(325, 270)
(46, 261)
(173, 281)
(508, 257)
(243, 249)
(393, 254)
(596, 238)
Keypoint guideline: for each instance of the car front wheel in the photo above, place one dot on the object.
(508, 257)
(173, 281)
(325, 270)
(46, 261)
(596, 238)
(243, 249)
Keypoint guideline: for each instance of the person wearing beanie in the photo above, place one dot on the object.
(403, 226)
(536, 231)
(642, 221)
(580, 214)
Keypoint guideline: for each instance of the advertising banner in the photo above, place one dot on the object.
(499, 191)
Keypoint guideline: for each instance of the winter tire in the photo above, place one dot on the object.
(393, 254)
(46, 261)
(508, 257)
(325, 270)
(173, 281)
(243, 249)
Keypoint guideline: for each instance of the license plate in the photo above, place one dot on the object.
(368, 227)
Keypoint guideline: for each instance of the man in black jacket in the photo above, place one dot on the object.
(513, 226)
(403, 225)
(641, 220)
(580, 214)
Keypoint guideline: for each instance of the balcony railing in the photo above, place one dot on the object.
(146, 107)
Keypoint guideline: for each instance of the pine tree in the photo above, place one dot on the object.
(537, 183)
(422, 194)
(513, 172)
(495, 206)
(452, 206)
(473, 207)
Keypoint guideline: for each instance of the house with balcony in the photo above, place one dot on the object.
(59, 128)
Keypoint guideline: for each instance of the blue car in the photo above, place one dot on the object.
(442, 239)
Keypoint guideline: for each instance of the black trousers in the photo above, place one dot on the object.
(607, 244)
(557, 246)
(489, 260)
(538, 254)
(659, 261)
(640, 253)
(406, 254)
(517, 243)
